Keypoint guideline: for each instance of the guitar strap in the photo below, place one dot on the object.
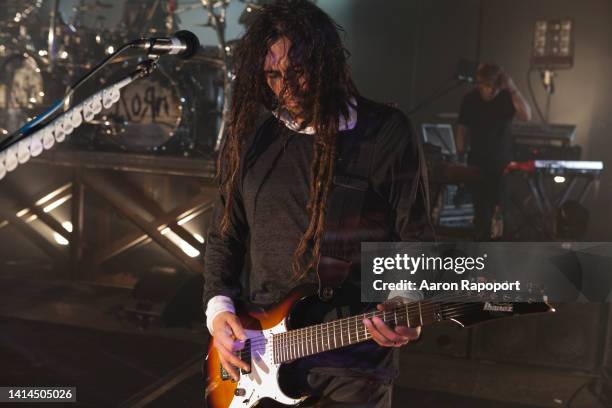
(345, 205)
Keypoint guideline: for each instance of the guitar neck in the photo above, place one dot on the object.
(339, 333)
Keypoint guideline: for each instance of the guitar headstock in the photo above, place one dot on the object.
(470, 307)
(470, 314)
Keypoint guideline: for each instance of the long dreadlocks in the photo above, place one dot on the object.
(319, 76)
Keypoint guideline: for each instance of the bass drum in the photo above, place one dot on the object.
(146, 117)
(22, 90)
(173, 111)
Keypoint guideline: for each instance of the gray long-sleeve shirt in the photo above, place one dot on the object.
(269, 206)
(269, 217)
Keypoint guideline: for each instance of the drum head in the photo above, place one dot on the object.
(23, 90)
(25, 85)
(146, 116)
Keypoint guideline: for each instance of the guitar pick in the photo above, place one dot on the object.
(48, 140)
(58, 130)
(76, 117)
(2, 168)
(23, 150)
(67, 122)
(36, 146)
(96, 103)
(88, 113)
(11, 161)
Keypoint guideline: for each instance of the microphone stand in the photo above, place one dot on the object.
(30, 142)
(458, 81)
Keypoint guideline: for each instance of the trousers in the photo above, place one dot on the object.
(330, 391)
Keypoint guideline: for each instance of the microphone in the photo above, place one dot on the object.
(184, 44)
(466, 70)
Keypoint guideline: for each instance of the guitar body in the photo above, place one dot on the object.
(298, 309)
(301, 325)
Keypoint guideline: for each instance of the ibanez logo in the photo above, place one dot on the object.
(498, 307)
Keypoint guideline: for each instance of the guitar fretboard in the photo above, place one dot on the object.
(332, 335)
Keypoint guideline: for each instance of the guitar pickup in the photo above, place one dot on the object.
(244, 355)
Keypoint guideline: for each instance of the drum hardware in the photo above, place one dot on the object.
(216, 20)
(97, 5)
(189, 107)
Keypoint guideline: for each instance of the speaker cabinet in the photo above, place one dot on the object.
(573, 338)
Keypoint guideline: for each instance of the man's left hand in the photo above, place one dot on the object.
(508, 83)
(388, 337)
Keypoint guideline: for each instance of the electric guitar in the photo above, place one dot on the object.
(285, 332)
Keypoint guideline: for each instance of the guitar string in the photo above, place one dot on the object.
(296, 350)
(289, 351)
(356, 327)
(425, 305)
(295, 341)
(301, 337)
(324, 328)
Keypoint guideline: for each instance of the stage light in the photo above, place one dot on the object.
(53, 194)
(187, 218)
(553, 44)
(57, 203)
(60, 239)
(179, 242)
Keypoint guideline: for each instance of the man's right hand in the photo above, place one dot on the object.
(229, 336)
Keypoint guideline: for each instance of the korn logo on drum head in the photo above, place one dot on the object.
(147, 115)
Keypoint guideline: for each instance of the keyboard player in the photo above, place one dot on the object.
(485, 117)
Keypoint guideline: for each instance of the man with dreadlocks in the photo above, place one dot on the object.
(276, 175)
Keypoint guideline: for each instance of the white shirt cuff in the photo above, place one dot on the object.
(217, 304)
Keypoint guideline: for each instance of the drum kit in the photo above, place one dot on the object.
(177, 110)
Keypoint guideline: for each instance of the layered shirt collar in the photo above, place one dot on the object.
(285, 116)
